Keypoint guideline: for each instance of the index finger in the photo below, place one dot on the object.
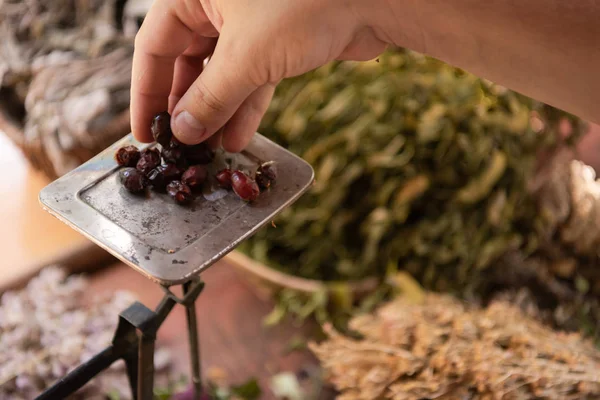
(160, 40)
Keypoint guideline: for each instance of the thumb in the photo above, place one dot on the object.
(214, 96)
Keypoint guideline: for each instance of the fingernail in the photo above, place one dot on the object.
(188, 129)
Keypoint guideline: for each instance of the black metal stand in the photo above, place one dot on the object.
(134, 342)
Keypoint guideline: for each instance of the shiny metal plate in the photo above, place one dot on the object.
(167, 242)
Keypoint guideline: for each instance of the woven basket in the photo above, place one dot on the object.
(267, 281)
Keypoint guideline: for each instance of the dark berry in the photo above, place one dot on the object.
(175, 142)
(266, 175)
(194, 176)
(174, 155)
(149, 159)
(262, 181)
(224, 178)
(244, 186)
(180, 192)
(162, 175)
(127, 156)
(161, 129)
(172, 172)
(124, 173)
(199, 154)
(133, 180)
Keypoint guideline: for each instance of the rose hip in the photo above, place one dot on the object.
(244, 186)
(180, 192)
(194, 176)
(162, 175)
(149, 159)
(224, 178)
(161, 128)
(175, 142)
(266, 175)
(127, 156)
(199, 154)
(133, 180)
(174, 155)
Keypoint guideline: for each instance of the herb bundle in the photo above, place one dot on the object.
(419, 165)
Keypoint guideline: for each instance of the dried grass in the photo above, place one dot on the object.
(444, 349)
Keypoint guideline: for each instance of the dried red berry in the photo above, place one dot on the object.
(244, 186)
(162, 175)
(194, 176)
(133, 180)
(127, 156)
(224, 178)
(149, 159)
(180, 192)
(266, 175)
(161, 128)
(199, 154)
(175, 155)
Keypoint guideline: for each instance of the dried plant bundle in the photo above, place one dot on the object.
(441, 348)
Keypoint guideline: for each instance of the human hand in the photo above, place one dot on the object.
(254, 45)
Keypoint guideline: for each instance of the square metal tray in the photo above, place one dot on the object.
(164, 241)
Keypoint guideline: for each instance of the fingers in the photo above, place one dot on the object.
(214, 142)
(188, 67)
(365, 46)
(161, 39)
(243, 125)
(215, 96)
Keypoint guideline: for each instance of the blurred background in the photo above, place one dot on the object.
(443, 182)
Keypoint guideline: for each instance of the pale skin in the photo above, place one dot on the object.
(546, 49)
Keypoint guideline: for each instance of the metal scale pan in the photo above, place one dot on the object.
(164, 241)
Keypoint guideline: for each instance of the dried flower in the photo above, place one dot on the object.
(53, 325)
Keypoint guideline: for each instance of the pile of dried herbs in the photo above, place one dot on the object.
(438, 347)
(419, 166)
(562, 277)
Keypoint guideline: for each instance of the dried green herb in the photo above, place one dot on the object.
(248, 390)
(417, 163)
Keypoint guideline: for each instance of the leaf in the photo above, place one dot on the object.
(479, 187)
(113, 395)
(162, 394)
(340, 295)
(495, 247)
(431, 123)
(407, 287)
(249, 390)
(582, 284)
(412, 189)
(275, 316)
(296, 343)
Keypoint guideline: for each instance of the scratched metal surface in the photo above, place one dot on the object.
(167, 242)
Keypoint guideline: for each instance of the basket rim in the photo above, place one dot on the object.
(247, 264)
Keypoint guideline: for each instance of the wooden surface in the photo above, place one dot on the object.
(30, 238)
(230, 315)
